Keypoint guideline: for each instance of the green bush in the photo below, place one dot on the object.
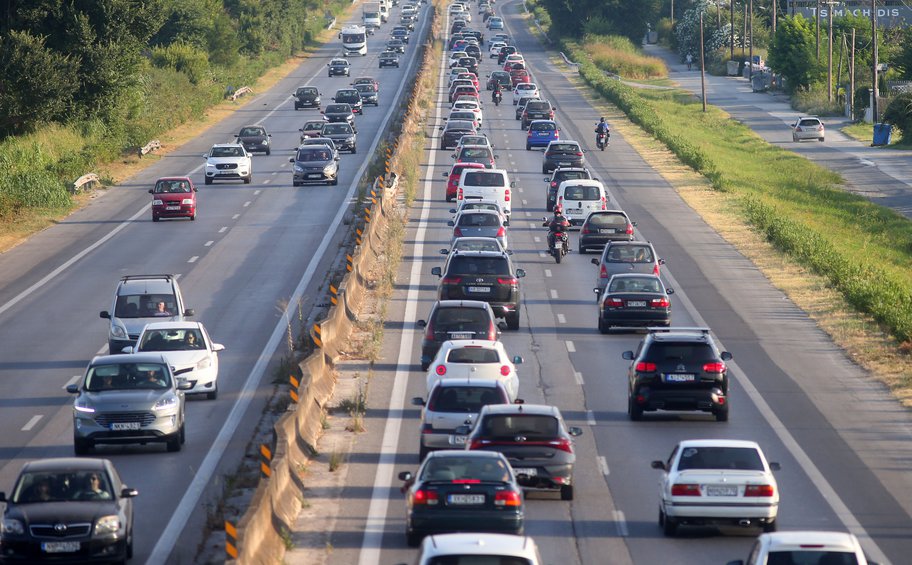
(899, 113)
(813, 100)
(184, 58)
(665, 30)
(617, 54)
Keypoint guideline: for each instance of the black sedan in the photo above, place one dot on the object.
(68, 510)
(634, 300)
(603, 226)
(306, 97)
(339, 113)
(339, 67)
(255, 139)
(459, 491)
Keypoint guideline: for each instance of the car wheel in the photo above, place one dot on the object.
(214, 394)
(424, 366)
(155, 218)
(268, 152)
(183, 435)
(669, 525)
(208, 180)
(549, 206)
(193, 217)
(130, 547)
(794, 139)
(582, 250)
(566, 492)
(247, 179)
(721, 414)
(821, 139)
(513, 321)
(770, 527)
(545, 170)
(412, 539)
(334, 182)
(354, 149)
(82, 446)
(173, 443)
(634, 412)
(528, 147)
(603, 328)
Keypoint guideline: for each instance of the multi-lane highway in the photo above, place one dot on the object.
(844, 444)
(252, 250)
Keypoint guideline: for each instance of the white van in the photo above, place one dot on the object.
(485, 184)
(580, 197)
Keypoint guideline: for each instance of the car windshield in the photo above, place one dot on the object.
(171, 340)
(463, 265)
(478, 220)
(630, 254)
(252, 132)
(811, 557)
(508, 426)
(582, 192)
(336, 128)
(542, 126)
(307, 91)
(738, 458)
(338, 109)
(314, 125)
(634, 284)
(172, 186)
(127, 376)
(339, 63)
(144, 305)
(226, 152)
(313, 155)
(59, 486)
(452, 468)
(483, 178)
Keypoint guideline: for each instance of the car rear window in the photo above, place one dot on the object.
(475, 152)
(538, 106)
(462, 265)
(563, 148)
(631, 284)
(680, 351)
(582, 192)
(739, 458)
(542, 126)
(630, 254)
(810, 557)
(456, 319)
(484, 178)
(464, 399)
(482, 244)
(809, 122)
(607, 220)
(479, 558)
(142, 305)
(479, 220)
(508, 426)
(473, 355)
(561, 176)
(459, 125)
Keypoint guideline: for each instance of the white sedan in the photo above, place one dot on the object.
(527, 89)
(188, 349)
(494, 51)
(806, 547)
(476, 359)
(473, 106)
(717, 481)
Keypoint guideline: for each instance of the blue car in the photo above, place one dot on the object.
(541, 133)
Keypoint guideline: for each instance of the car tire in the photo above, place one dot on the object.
(208, 180)
(155, 218)
(770, 527)
(549, 206)
(528, 147)
(183, 435)
(424, 366)
(582, 250)
(354, 149)
(173, 443)
(821, 140)
(669, 525)
(214, 394)
(268, 152)
(513, 321)
(566, 492)
(193, 217)
(130, 546)
(334, 182)
(603, 328)
(247, 179)
(82, 446)
(721, 414)
(412, 539)
(634, 412)
(545, 170)
(794, 139)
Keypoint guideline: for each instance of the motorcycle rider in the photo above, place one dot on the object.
(601, 128)
(558, 224)
(497, 94)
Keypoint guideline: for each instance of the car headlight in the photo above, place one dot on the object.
(298, 169)
(329, 170)
(108, 525)
(166, 402)
(350, 139)
(264, 142)
(204, 363)
(118, 331)
(211, 166)
(187, 201)
(82, 404)
(14, 527)
(157, 202)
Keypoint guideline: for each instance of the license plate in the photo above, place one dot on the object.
(121, 426)
(60, 546)
(636, 303)
(558, 245)
(172, 207)
(531, 472)
(314, 176)
(607, 230)
(466, 499)
(457, 440)
(721, 491)
(563, 163)
(461, 335)
(479, 289)
(680, 378)
(574, 211)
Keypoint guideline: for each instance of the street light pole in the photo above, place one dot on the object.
(750, 74)
(830, 51)
(817, 27)
(731, 10)
(775, 9)
(702, 65)
(874, 59)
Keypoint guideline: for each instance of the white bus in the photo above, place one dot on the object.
(354, 40)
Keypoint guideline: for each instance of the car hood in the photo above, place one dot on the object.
(61, 512)
(220, 160)
(178, 359)
(313, 163)
(136, 325)
(125, 400)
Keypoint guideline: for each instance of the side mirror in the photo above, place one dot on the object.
(128, 492)
(421, 323)
(437, 271)
(726, 356)
(658, 465)
(446, 174)
(517, 359)
(661, 261)
(205, 155)
(291, 160)
(150, 191)
(183, 384)
(195, 189)
(128, 349)
(775, 466)
(451, 223)
(236, 135)
(444, 251)
(501, 326)
(628, 355)
(512, 182)
(417, 401)
(520, 273)
(337, 159)
(634, 224)
(405, 476)
(546, 179)
(498, 157)
(575, 431)
(441, 128)
(597, 291)
(506, 223)
(519, 401)
(72, 389)
(669, 291)
(189, 312)
(452, 210)
(216, 347)
(594, 261)
(104, 314)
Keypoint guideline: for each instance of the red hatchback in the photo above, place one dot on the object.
(518, 76)
(453, 177)
(173, 197)
(463, 91)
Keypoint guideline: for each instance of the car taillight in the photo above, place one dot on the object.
(655, 270)
(427, 429)
(579, 153)
(660, 302)
(501, 232)
(759, 490)
(798, 128)
(459, 194)
(505, 370)
(440, 370)
(451, 280)
(492, 332)
(507, 498)
(466, 481)
(585, 230)
(507, 195)
(478, 443)
(425, 497)
(604, 203)
(617, 302)
(562, 444)
(512, 281)
(457, 232)
(715, 367)
(429, 331)
(645, 367)
(560, 201)
(685, 490)
(603, 272)
(629, 229)
(553, 185)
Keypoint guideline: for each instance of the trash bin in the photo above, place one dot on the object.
(758, 82)
(883, 134)
(732, 68)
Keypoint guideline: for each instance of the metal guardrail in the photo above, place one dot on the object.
(240, 92)
(149, 147)
(88, 178)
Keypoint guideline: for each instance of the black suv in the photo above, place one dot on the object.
(677, 369)
(307, 97)
(562, 154)
(339, 67)
(339, 113)
(483, 275)
(560, 175)
(534, 440)
(389, 59)
(453, 131)
(352, 97)
(255, 139)
(536, 110)
(455, 319)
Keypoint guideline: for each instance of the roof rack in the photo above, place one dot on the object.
(677, 329)
(141, 277)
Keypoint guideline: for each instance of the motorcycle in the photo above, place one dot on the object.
(558, 242)
(497, 97)
(601, 139)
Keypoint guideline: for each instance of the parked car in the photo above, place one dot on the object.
(814, 547)
(228, 161)
(139, 300)
(677, 369)
(718, 481)
(808, 127)
(255, 139)
(307, 97)
(634, 300)
(173, 197)
(187, 347)
(620, 257)
(455, 319)
(456, 491)
(603, 226)
(68, 510)
(128, 399)
(533, 438)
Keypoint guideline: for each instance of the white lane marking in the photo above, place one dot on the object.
(521, 190)
(570, 347)
(561, 319)
(189, 502)
(603, 465)
(791, 444)
(259, 190)
(621, 522)
(541, 254)
(547, 272)
(579, 378)
(267, 181)
(102, 351)
(208, 243)
(383, 472)
(525, 202)
(235, 217)
(528, 214)
(193, 259)
(590, 417)
(536, 239)
(31, 423)
(553, 294)
(223, 229)
(246, 204)
(72, 380)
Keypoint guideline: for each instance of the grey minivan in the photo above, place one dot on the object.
(315, 164)
(621, 257)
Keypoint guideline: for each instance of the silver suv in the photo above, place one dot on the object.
(138, 300)
(128, 399)
(623, 257)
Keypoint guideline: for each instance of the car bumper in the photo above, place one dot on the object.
(695, 400)
(311, 104)
(807, 135)
(112, 549)
(442, 439)
(160, 428)
(544, 477)
(721, 511)
(232, 174)
(338, 73)
(437, 522)
(587, 241)
(313, 177)
(203, 380)
(182, 211)
(344, 144)
(538, 142)
(636, 317)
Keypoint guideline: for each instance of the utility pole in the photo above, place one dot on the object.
(874, 59)
(817, 27)
(775, 9)
(852, 79)
(830, 51)
(750, 74)
(702, 65)
(672, 13)
(718, 15)
(731, 10)
(842, 50)
(744, 33)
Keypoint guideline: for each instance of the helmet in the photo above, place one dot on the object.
(558, 210)
(602, 120)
